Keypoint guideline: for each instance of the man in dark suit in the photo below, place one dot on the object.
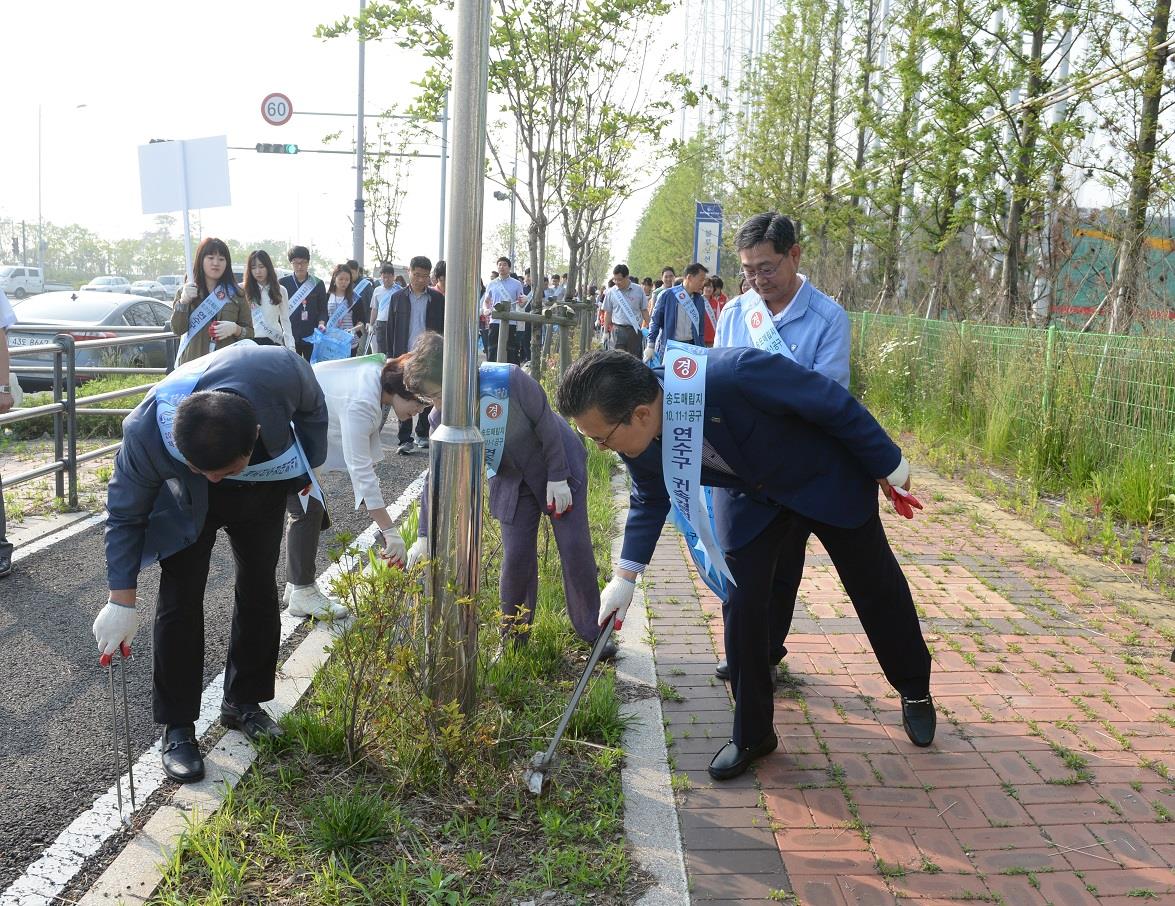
(212, 446)
(797, 441)
(413, 310)
(679, 314)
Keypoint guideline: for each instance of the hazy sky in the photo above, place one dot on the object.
(161, 69)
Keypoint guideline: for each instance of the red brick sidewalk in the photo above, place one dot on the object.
(1050, 779)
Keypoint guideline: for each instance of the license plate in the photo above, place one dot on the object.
(17, 340)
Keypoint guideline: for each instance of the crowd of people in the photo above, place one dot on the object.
(734, 414)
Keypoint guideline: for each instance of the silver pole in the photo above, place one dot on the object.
(40, 222)
(444, 172)
(457, 451)
(357, 233)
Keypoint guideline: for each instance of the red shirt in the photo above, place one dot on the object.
(708, 325)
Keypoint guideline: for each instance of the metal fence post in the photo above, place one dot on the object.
(58, 419)
(503, 338)
(71, 418)
(1047, 400)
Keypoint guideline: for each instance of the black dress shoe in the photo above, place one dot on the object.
(918, 720)
(732, 761)
(5, 558)
(182, 760)
(722, 671)
(251, 719)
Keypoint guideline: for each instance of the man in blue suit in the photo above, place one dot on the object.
(679, 314)
(797, 441)
(223, 415)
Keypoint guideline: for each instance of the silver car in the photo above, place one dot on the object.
(151, 289)
(110, 284)
(82, 314)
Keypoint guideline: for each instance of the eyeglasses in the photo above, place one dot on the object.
(765, 272)
(608, 436)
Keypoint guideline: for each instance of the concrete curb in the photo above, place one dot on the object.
(650, 812)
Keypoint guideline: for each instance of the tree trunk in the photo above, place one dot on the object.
(1124, 292)
(1030, 126)
(866, 97)
(830, 133)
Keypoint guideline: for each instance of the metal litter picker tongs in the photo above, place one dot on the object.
(107, 661)
(538, 775)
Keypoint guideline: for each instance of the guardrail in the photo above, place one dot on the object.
(67, 405)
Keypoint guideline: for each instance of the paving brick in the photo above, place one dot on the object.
(819, 890)
(840, 862)
(734, 861)
(1015, 889)
(864, 890)
(742, 887)
(940, 887)
(1064, 888)
(819, 840)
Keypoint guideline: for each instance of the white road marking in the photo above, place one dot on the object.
(65, 856)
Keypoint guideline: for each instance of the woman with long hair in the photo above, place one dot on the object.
(536, 465)
(210, 311)
(340, 294)
(357, 390)
(269, 304)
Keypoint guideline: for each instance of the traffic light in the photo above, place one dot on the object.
(268, 148)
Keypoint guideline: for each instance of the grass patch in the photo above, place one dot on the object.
(376, 794)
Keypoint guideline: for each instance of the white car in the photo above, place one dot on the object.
(110, 284)
(19, 282)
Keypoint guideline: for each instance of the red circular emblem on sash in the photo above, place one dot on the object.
(220, 294)
(756, 319)
(493, 410)
(685, 368)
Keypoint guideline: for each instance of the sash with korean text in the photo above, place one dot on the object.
(204, 314)
(686, 304)
(620, 300)
(302, 292)
(495, 409)
(681, 450)
(760, 326)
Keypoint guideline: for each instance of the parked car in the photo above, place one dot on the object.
(152, 289)
(172, 283)
(83, 314)
(19, 282)
(109, 284)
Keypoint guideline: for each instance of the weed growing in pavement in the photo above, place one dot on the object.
(382, 796)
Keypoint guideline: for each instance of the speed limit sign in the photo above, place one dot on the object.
(276, 109)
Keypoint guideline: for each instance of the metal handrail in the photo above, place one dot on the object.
(67, 405)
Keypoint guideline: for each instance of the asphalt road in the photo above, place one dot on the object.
(55, 756)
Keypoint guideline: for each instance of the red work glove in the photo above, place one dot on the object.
(903, 501)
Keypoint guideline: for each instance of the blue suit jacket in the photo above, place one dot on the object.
(791, 436)
(663, 326)
(156, 505)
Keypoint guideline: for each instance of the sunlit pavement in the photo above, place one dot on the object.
(1049, 780)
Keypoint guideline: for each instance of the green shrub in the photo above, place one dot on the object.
(88, 425)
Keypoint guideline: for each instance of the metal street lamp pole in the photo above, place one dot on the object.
(40, 222)
(457, 451)
(444, 173)
(357, 235)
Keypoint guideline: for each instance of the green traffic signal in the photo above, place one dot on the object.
(271, 148)
(291, 149)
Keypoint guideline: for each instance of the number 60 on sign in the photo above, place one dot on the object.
(276, 109)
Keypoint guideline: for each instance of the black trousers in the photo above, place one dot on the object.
(874, 583)
(512, 344)
(628, 339)
(304, 349)
(253, 516)
(405, 433)
(789, 572)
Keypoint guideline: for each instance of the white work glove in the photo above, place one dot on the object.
(189, 294)
(417, 552)
(649, 352)
(393, 545)
(616, 596)
(558, 497)
(222, 330)
(115, 626)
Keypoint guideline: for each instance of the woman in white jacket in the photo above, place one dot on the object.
(269, 302)
(356, 391)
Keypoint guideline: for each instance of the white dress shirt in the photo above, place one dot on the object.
(352, 391)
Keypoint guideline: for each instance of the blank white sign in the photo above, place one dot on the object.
(199, 165)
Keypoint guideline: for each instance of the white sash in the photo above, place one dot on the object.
(711, 313)
(681, 445)
(304, 290)
(618, 298)
(686, 304)
(761, 328)
(204, 314)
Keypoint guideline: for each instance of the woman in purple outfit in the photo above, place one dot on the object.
(536, 464)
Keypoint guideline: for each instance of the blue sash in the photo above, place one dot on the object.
(337, 314)
(178, 385)
(760, 327)
(304, 290)
(361, 286)
(383, 302)
(204, 315)
(495, 409)
(681, 455)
